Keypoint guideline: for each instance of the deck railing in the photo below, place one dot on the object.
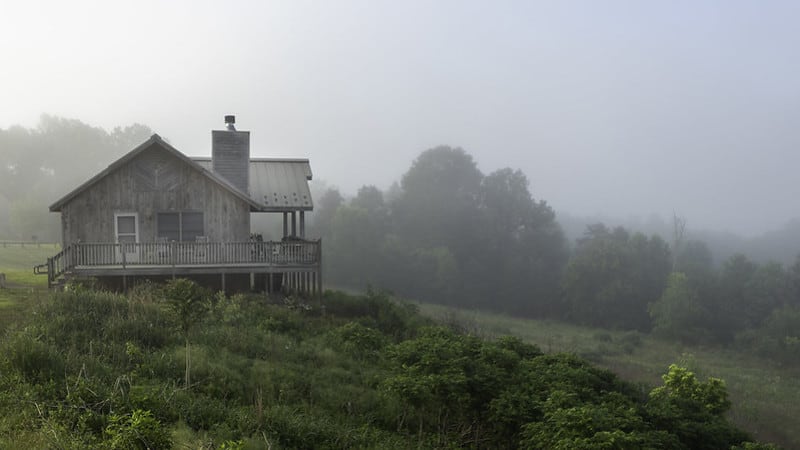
(143, 254)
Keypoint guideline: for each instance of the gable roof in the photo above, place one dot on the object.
(156, 140)
(278, 184)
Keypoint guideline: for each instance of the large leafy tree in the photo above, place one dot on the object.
(508, 248)
(439, 200)
(693, 410)
(523, 249)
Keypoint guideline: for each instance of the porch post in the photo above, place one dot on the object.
(285, 224)
(294, 223)
(303, 224)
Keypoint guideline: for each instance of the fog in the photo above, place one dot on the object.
(619, 108)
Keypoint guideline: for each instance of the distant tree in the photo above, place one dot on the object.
(694, 258)
(769, 287)
(678, 237)
(327, 205)
(369, 198)
(29, 216)
(448, 234)
(38, 166)
(523, 247)
(613, 276)
(679, 314)
(439, 200)
(731, 299)
(793, 273)
(778, 337)
(356, 237)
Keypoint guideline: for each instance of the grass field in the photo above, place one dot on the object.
(764, 395)
(17, 263)
(22, 285)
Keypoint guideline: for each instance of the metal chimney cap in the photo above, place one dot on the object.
(229, 121)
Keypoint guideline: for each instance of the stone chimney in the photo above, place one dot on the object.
(230, 154)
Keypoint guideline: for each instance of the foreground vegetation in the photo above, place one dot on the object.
(89, 369)
(763, 393)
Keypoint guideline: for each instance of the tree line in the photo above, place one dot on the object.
(447, 233)
(39, 165)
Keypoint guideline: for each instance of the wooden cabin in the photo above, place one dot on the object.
(157, 213)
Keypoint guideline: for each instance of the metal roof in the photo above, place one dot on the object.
(279, 184)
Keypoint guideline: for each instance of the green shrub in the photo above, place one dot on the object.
(137, 430)
(283, 320)
(778, 337)
(602, 336)
(219, 373)
(201, 412)
(358, 341)
(156, 399)
(515, 344)
(395, 319)
(631, 338)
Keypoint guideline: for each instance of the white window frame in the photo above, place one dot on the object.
(130, 256)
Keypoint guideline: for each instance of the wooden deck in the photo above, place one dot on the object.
(299, 260)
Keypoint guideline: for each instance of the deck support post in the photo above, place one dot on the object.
(319, 286)
(223, 282)
(319, 273)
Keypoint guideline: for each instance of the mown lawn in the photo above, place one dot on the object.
(18, 262)
(22, 285)
(764, 394)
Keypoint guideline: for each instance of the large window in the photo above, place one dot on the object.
(180, 226)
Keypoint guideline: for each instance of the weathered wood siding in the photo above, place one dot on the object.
(152, 182)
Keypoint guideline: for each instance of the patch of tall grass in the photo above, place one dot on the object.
(97, 366)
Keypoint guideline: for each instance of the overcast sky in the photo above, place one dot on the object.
(628, 108)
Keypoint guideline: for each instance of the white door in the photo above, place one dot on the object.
(126, 229)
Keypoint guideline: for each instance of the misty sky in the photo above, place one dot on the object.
(623, 107)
